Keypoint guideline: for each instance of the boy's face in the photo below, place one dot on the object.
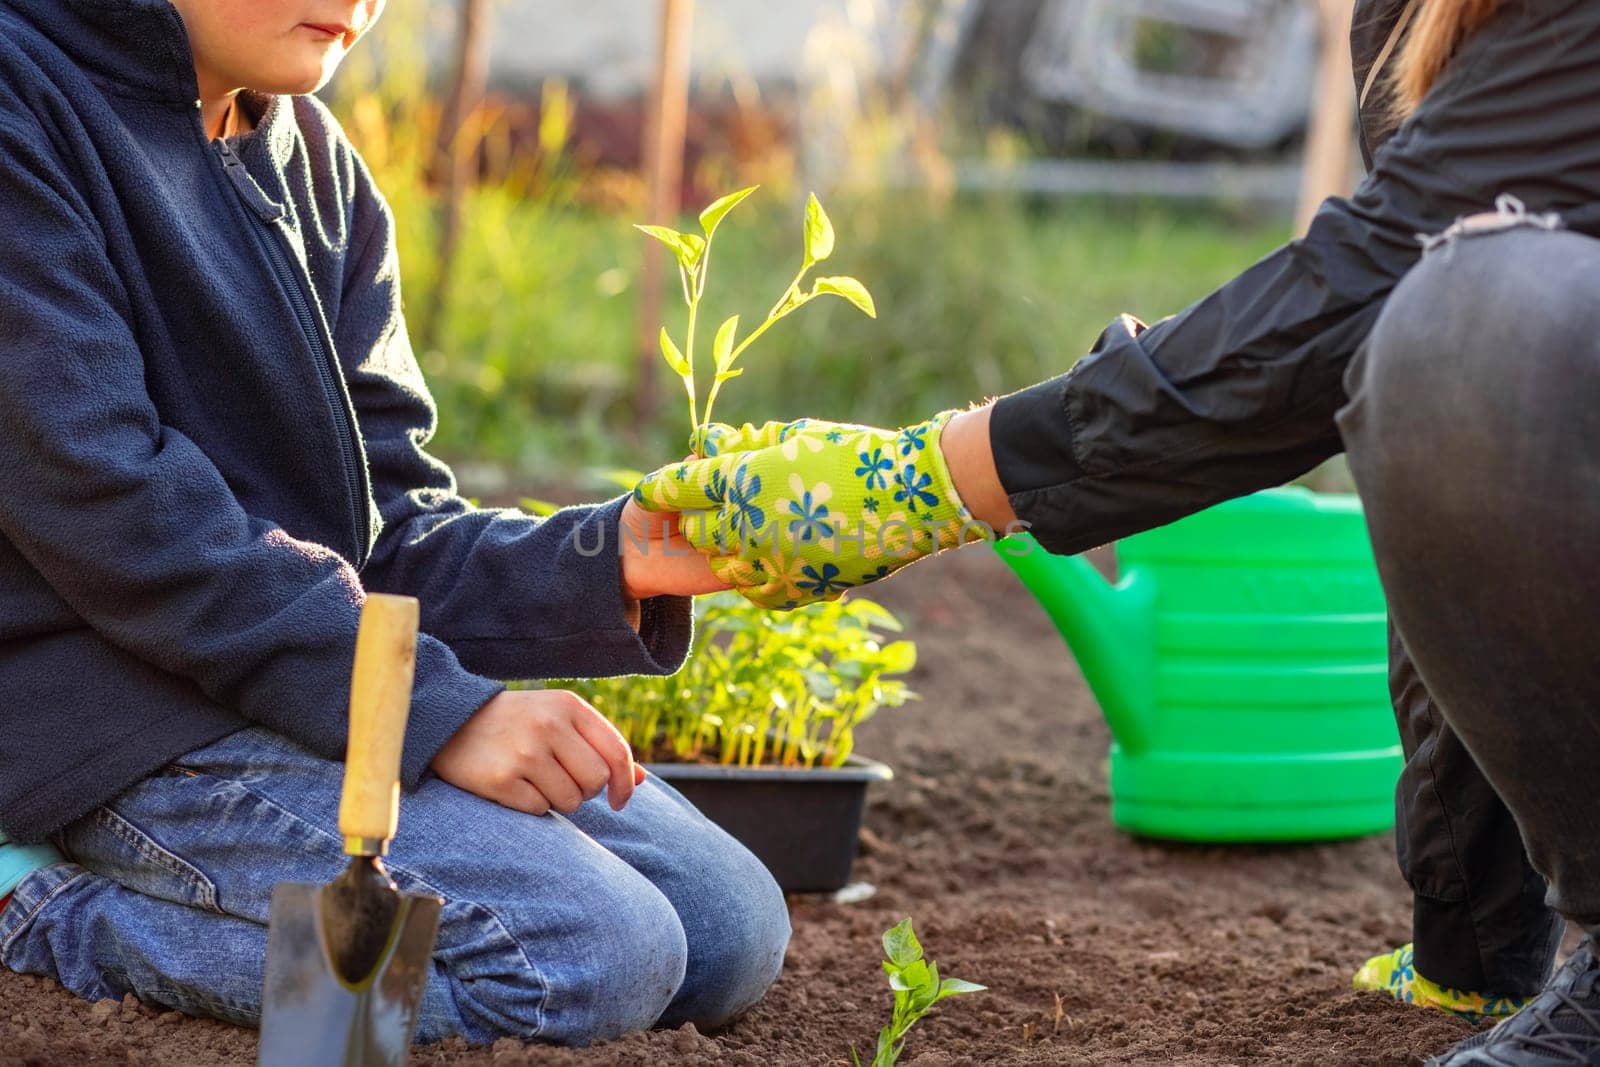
(272, 46)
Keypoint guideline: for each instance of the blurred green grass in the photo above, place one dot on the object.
(535, 354)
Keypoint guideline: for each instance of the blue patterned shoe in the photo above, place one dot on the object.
(1396, 974)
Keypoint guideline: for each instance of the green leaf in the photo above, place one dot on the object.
(619, 476)
(849, 288)
(681, 244)
(901, 945)
(721, 206)
(922, 1000)
(722, 345)
(820, 683)
(535, 506)
(898, 657)
(871, 613)
(794, 299)
(673, 356)
(916, 976)
(665, 234)
(951, 987)
(894, 694)
(818, 232)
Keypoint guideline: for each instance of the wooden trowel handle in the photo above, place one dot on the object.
(380, 698)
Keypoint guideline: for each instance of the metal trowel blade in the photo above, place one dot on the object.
(310, 1018)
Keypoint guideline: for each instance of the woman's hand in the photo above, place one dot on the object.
(797, 512)
(538, 750)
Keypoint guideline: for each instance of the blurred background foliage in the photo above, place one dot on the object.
(531, 350)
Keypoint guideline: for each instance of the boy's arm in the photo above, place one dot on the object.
(516, 596)
(132, 524)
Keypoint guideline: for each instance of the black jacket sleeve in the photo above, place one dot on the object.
(1238, 392)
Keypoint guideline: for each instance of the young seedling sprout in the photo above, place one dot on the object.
(761, 689)
(693, 253)
(917, 988)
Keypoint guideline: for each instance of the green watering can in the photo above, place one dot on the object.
(1241, 662)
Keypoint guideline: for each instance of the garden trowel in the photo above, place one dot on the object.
(346, 961)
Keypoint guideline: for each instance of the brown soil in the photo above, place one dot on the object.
(1097, 948)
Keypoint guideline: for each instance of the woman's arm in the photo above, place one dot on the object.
(1238, 392)
(970, 458)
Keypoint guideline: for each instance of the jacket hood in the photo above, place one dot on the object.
(140, 46)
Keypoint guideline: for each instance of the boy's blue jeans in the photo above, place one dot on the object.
(561, 928)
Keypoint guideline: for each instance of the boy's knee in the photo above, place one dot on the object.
(741, 935)
(604, 962)
(630, 969)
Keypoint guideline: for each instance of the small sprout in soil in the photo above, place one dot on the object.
(760, 688)
(917, 988)
(693, 253)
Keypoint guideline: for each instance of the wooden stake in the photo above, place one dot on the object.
(663, 162)
(1329, 142)
(457, 155)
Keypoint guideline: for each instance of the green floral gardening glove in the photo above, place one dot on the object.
(792, 513)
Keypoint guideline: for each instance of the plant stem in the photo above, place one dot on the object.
(702, 270)
(750, 338)
(683, 279)
(793, 287)
(688, 355)
(777, 312)
(711, 398)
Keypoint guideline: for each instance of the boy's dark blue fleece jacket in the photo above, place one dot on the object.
(212, 433)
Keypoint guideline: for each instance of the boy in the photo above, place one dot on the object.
(213, 436)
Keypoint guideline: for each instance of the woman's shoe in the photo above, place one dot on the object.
(1395, 973)
(1559, 1028)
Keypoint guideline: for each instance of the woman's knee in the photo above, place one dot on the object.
(737, 923)
(604, 960)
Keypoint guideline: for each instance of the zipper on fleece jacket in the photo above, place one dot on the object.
(266, 219)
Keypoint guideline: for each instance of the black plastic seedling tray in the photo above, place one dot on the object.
(801, 822)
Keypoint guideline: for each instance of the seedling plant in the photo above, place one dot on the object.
(917, 988)
(786, 689)
(693, 254)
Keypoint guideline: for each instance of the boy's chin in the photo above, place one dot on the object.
(299, 80)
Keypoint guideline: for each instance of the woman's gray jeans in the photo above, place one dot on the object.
(1473, 432)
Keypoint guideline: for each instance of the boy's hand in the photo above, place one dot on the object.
(657, 560)
(538, 750)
